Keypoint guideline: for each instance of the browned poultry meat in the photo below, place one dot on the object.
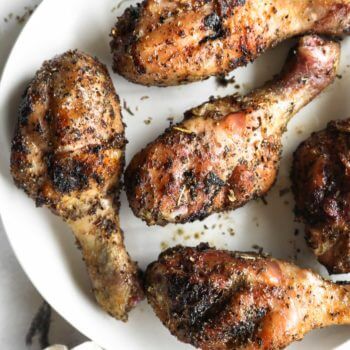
(221, 300)
(68, 155)
(321, 185)
(226, 151)
(160, 42)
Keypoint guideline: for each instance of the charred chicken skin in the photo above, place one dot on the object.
(321, 185)
(68, 155)
(226, 151)
(163, 43)
(221, 300)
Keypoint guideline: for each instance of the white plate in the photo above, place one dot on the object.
(43, 243)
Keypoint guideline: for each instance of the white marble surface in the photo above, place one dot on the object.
(19, 300)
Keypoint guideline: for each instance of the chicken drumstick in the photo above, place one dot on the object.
(226, 151)
(321, 186)
(220, 300)
(68, 155)
(161, 42)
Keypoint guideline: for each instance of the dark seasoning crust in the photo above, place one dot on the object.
(213, 22)
(197, 305)
(216, 299)
(321, 186)
(170, 43)
(72, 173)
(238, 140)
(68, 155)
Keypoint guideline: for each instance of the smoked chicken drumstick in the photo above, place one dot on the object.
(226, 151)
(321, 186)
(68, 155)
(221, 300)
(163, 43)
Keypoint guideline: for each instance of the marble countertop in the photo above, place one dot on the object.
(19, 300)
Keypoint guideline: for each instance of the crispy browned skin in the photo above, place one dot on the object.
(221, 300)
(68, 155)
(161, 42)
(226, 151)
(321, 186)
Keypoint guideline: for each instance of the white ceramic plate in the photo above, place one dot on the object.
(43, 243)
